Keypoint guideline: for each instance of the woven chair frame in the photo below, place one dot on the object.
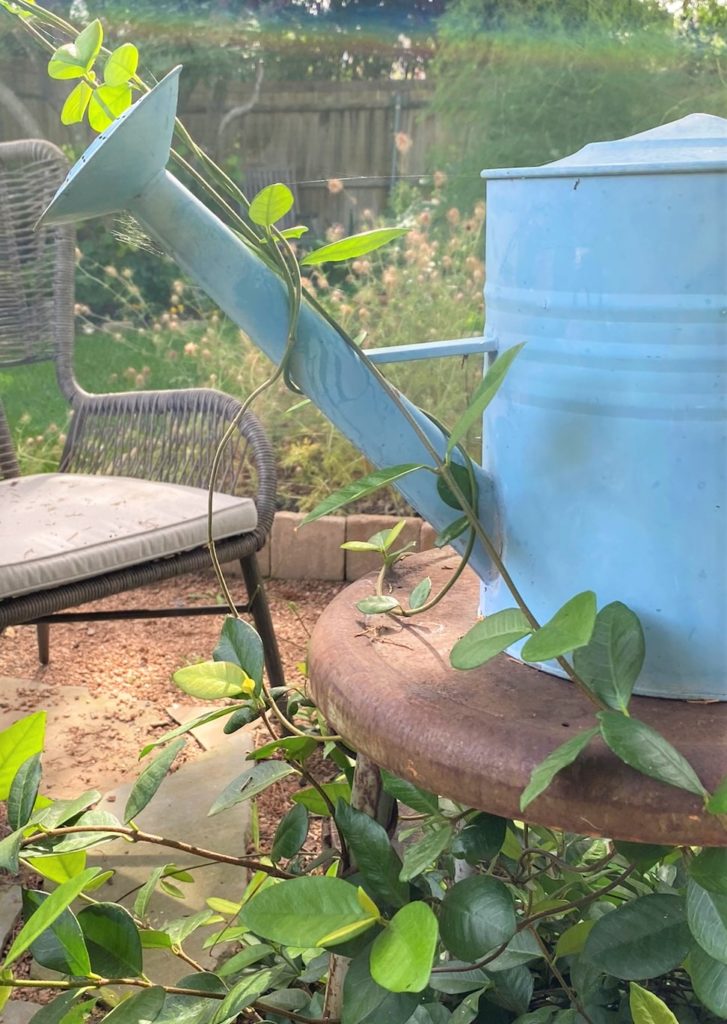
(165, 436)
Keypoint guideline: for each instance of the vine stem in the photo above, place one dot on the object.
(137, 836)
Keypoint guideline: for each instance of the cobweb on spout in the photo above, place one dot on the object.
(127, 230)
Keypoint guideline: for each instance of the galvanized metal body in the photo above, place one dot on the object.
(608, 441)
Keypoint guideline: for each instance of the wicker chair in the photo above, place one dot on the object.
(128, 504)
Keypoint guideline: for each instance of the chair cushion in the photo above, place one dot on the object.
(57, 528)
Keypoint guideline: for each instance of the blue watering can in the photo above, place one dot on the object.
(605, 450)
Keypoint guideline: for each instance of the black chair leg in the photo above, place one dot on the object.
(42, 630)
(260, 611)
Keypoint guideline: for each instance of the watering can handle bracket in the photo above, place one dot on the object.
(433, 349)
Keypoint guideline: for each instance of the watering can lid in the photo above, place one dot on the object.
(697, 142)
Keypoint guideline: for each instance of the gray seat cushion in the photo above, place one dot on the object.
(58, 528)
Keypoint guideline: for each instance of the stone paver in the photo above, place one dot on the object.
(314, 553)
(10, 906)
(16, 1011)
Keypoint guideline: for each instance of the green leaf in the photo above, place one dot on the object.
(23, 792)
(644, 749)
(420, 594)
(707, 918)
(245, 992)
(647, 1008)
(74, 109)
(480, 839)
(249, 783)
(360, 489)
(142, 1008)
(366, 1002)
(709, 978)
(353, 246)
(489, 637)
(295, 232)
(83, 840)
(151, 779)
(543, 774)
(401, 956)
(213, 680)
(55, 1011)
(193, 1009)
(60, 946)
(306, 911)
(717, 803)
(709, 869)
(360, 545)
(642, 855)
(463, 481)
(58, 867)
(271, 204)
(422, 854)
(409, 794)
(112, 940)
(180, 930)
(312, 799)
(477, 916)
(641, 939)
(51, 909)
(73, 60)
(10, 851)
(611, 662)
(106, 104)
(181, 730)
(62, 811)
(121, 65)
(571, 627)
(373, 855)
(296, 748)
(573, 939)
(21, 740)
(151, 939)
(451, 532)
(241, 645)
(290, 834)
(245, 958)
(484, 394)
(377, 604)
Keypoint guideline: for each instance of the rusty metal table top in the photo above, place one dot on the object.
(387, 687)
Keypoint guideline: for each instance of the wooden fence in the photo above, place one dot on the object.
(308, 134)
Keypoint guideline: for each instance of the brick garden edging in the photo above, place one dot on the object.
(315, 552)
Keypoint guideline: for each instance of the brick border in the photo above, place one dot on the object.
(315, 552)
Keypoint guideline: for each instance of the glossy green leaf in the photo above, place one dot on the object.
(717, 803)
(647, 1008)
(571, 627)
(573, 939)
(249, 783)
(181, 730)
(271, 204)
(54, 1011)
(295, 232)
(83, 840)
(21, 740)
(488, 388)
(241, 645)
(75, 59)
(477, 916)
(409, 794)
(180, 930)
(60, 812)
(543, 774)
(191, 1009)
(366, 1002)
(709, 869)
(513, 989)
(76, 105)
(642, 855)
(360, 489)
(51, 909)
(426, 851)
(142, 1008)
(611, 661)
(420, 593)
(151, 779)
(245, 958)
(707, 918)
(241, 716)
(296, 748)
(451, 533)
(10, 852)
(112, 940)
(402, 955)
(353, 246)
(641, 939)
(291, 833)
(305, 911)
(377, 604)
(121, 65)
(59, 947)
(646, 750)
(312, 799)
(23, 792)
(463, 481)
(245, 992)
(709, 978)
(480, 839)
(58, 867)
(489, 637)
(373, 855)
(152, 939)
(214, 680)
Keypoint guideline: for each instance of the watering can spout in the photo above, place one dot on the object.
(122, 161)
(124, 169)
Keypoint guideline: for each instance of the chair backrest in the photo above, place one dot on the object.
(36, 264)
